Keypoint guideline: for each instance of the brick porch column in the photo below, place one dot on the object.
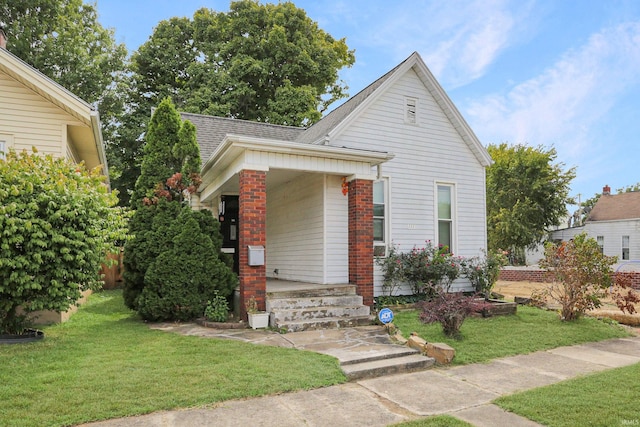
(361, 238)
(252, 219)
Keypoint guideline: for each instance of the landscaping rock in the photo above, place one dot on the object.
(400, 339)
(500, 308)
(442, 352)
(522, 300)
(416, 342)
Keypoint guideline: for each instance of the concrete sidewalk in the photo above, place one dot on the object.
(464, 391)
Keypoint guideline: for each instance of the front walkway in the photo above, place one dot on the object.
(465, 392)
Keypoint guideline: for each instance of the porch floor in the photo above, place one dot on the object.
(277, 285)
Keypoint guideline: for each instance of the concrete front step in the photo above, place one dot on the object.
(320, 323)
(389, 352)
(290, 303)
(329, 290)
(396, 365)
(320, 312)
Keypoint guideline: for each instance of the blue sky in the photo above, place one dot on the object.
(563, 74)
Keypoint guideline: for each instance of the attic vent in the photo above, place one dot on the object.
(410, 106)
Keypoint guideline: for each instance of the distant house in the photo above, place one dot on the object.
(614, 222)
(395, 164)
(37, 112)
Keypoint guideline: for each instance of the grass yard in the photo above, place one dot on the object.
(602, 399)
(105, 363)
(529, 330)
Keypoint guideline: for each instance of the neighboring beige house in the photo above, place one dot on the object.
(395, 164)
(614, 222)
(37, 112)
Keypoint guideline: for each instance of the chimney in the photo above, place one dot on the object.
(3, 38)
(606, 190)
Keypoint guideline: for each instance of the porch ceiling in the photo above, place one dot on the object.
(275, 178)
(283, 160)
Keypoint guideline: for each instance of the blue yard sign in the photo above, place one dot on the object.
(385, 315)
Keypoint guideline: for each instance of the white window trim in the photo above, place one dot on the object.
(599, 240)
(454, 213)
(6, 143)
(387, 216)
(413, 118)
(626, 247)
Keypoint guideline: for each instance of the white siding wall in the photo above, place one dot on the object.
(425, 153)
(612, 232)
(295, 233)
(32, 120)
(337, 232)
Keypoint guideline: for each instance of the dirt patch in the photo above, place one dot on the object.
(609, 309)
(517, 289)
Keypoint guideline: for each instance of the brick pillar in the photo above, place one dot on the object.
(361, 238)
(252, 221)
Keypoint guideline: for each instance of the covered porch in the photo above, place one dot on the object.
(304, 215)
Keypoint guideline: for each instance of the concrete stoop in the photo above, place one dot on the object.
(327, 308)
(408, 360)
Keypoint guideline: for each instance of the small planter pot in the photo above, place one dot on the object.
(259, 320)
(29, 335)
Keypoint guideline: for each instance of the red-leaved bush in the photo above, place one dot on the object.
(450, 310)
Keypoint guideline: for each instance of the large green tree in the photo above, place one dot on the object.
(261, 62)
(527, 192)
(64, 40)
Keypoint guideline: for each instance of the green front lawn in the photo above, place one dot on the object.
(603, 399)
(531, 329)
(105, 363)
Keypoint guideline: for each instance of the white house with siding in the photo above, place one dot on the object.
(614, 222)
(370, 174)
(37, 112)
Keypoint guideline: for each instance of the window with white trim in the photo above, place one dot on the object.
(6, 142)
(380, 217)
(625, 247)
(410, 110)
(446, 210)
(600, 240)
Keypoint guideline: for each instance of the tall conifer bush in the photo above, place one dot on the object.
(184, 277)
(168, 233)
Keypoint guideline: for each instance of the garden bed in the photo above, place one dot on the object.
(30, 335)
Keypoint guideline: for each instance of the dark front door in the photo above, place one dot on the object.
(229, 227)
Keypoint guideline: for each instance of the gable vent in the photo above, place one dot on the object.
(410, 110)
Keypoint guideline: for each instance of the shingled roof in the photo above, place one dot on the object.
(616, 207)
(211, 131)
(335, 117)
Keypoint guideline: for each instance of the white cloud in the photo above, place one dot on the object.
(562, 106)
(459, 40)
